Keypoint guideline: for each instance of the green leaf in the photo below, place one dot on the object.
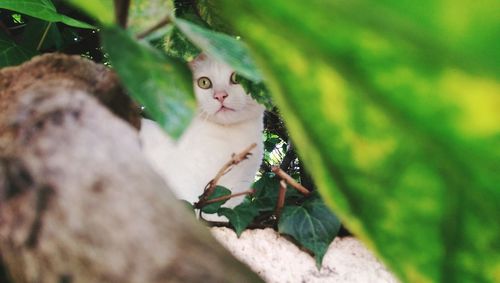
(266, 191)
(270, 143)
(258, 91)
(178, 46)
(143, 15)
(102, 10)
(222, 47)
(12, 54)
(311, 224)
(393, 106)
(219, 191)
(239, 217)
(42, 9)
(206, 9)
(162, 84)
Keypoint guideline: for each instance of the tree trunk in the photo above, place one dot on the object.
(78, 201)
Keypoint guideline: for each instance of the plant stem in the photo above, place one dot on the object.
(121, 12)
(165, 21)
(284, 176)
(200, 204)
(235, 159)
(44, 35)
(281, 199)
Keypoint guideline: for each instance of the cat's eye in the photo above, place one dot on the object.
(234, 78)
(204, 83)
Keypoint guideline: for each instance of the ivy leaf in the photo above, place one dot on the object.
(311, 224)
(239, 217)
(222, 47)
(41, 9)
(162, 84)
(270, 143)
(219, 191)
(266, 191)
(12, 54)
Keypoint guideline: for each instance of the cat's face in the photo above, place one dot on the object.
(220, 97)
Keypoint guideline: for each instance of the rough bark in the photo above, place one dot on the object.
(78, 201)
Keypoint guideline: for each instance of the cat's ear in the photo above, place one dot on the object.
(200, 58)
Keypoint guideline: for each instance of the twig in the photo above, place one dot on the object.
(281, 199)
(222, 198)
(235, 159)
(165, 21)
(121, 12)
(284, 176)
(43, 36)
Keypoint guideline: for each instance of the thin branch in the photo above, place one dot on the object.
(284, 176)
(44, 35)
(163, 22)
(235, 159)
(222, 198)
(121, 12)
(281, 199)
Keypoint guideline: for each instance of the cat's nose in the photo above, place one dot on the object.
(220, 96)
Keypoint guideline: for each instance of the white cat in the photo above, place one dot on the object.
(227, 121)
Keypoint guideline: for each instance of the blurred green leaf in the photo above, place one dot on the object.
(311, 224)
(240, 217)
(206, 9)
(42, 9)
(102, 10)
(146, 14)
(219, 191)
(12, 54)
(393, 106)
(258, 91)
(222, 47)
(178, 46)
(162, 84)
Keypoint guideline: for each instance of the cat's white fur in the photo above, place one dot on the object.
(212, 137)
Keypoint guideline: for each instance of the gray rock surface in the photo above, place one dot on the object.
(277, 260)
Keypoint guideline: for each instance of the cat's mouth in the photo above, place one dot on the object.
(225, 109)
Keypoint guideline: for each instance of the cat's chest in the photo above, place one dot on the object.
(212, 145)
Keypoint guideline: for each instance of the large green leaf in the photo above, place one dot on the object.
(393, 106)
(222, 47)
(311, 224)
(102, 10)
(145, 14)
(12, 54)
(161, 84)
(42, 9)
